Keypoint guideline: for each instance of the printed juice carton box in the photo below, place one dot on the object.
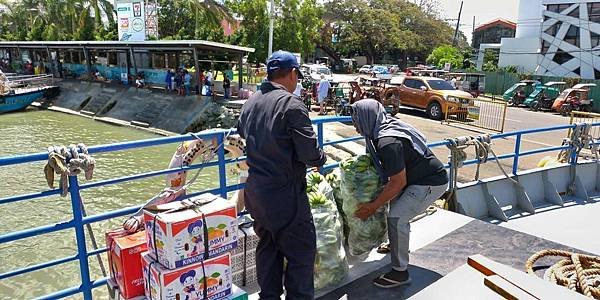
(185, 232)
(191, 282)
(124, 259)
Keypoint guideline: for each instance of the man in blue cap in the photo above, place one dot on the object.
(280, 145)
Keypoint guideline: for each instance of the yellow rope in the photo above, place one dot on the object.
(578, 272)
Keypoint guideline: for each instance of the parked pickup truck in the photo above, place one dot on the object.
(435, 95)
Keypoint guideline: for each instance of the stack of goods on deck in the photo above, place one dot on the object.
(187, 255)
(188, 248)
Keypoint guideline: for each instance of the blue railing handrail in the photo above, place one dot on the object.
(79, 220)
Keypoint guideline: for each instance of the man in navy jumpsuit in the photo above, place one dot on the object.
(280, 145)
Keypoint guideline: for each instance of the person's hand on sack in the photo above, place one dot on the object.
(365, 210)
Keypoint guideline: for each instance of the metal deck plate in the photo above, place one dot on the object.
(441, 257)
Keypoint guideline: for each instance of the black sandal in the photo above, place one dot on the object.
(392, 279)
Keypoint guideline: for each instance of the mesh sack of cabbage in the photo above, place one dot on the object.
(331, 266)
(333, 179)
(359, 183)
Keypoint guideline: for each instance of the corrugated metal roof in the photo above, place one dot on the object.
(127, 44)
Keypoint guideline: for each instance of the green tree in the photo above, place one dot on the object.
(184, 20)
(254, 31)
(378, 28)
(296, 27)
(85, 30)
(490, 60)
(446, 54)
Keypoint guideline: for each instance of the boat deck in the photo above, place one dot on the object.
(432, 258)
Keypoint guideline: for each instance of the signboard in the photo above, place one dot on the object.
(131, 18)
(473, 112)
(151, 19)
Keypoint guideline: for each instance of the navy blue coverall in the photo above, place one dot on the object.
(280, 144)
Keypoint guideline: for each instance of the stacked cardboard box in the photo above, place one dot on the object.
(124, 261)
(243, 258)
(189, 244)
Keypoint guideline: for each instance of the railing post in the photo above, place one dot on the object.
(222, 167)
(515, 167)
(320, 136)
(84, 269)
(503, 117)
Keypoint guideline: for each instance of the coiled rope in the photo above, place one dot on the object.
(578, 272)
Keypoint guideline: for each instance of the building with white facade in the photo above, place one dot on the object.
(555, 38)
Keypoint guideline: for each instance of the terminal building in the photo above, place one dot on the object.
(492, 32)
(554, 38)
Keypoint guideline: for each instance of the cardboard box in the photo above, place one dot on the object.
(187, 283)
(191, 230)
(247, 242)
(124, 259)
(114, 294)
(251, 280)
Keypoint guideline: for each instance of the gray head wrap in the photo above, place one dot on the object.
(372, 122)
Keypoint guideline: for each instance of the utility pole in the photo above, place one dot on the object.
(473, 32)
(271, 21)
(457, 25)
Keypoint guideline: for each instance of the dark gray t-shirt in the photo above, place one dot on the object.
(397, 154)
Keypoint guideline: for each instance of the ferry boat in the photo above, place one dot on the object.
(19, 91)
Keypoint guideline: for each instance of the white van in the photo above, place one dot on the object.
(315, 71)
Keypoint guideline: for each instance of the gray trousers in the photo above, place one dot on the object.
(414, 200)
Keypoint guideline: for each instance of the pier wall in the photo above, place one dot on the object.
(142, 107)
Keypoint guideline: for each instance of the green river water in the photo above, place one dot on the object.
(33, 131)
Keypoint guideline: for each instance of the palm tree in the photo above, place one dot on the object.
(102, 7)
(212, 11)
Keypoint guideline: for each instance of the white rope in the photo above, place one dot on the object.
(483, 147)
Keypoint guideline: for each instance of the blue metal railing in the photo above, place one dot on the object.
(79, 220)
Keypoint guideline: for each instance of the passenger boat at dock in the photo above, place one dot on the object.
(19, 91)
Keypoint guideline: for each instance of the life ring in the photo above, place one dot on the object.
(236, 146)
(185, 154)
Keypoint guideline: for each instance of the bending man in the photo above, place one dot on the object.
(414, 178)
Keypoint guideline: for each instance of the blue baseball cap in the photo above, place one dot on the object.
(283, 60)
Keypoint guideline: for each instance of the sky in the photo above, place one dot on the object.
(483, 10)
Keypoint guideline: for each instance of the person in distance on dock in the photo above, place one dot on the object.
(414, 178)
(280, 144)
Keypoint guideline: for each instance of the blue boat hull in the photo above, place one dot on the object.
(16, 102)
